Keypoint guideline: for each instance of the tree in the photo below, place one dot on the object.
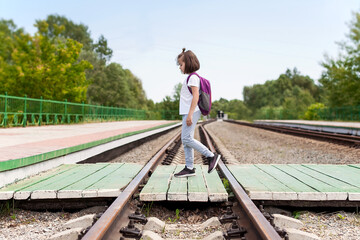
(341, 78)
(42, 66)
(68, 29)
(102, 49)
(281, 94)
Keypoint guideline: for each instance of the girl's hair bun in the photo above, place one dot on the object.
(183, 50)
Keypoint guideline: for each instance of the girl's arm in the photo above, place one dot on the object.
(194, 102)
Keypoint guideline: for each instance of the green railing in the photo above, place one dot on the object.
(23, 111)
(276, 114)
(348, 113)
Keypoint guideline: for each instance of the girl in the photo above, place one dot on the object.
(190, 112)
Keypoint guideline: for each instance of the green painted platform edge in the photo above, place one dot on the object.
(22, 162)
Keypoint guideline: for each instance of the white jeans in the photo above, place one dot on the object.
(187, 138)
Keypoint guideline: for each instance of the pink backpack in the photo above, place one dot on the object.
(204, 102)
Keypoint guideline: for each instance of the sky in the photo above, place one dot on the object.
(238, 43)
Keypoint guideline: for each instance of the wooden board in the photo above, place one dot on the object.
(260, 185)
(344, 173)
(203, 187)
(9, 191)
(113, 183)
(197, 191)
(310, 182)
(331, 192)
(76, 189)
(215, 187)
(303, 191)
(157, 186)
(178, 187)
(48, 189)
(74, 181)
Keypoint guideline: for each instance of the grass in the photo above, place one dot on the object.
(7, 208)
(147, 208)
(177, 216)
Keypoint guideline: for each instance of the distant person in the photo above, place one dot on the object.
(191, 113)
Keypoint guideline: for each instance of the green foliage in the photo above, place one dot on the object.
(226, 185)
(60, 26)
(115, 86)
(284, 98)
(312, 112)
(168, 108)
(235, 109)
(340, 216)
(147, 208)
(177, 216)
(341, 78)
(296, 214)
(40, 66)
(61, 61)
(8, 208)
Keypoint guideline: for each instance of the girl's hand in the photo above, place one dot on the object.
(189, 120)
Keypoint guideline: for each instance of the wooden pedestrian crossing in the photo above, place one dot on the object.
(204, 187)
(311, 182)
(74, 181)
(308, 182)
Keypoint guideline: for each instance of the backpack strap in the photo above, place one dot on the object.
(187, 81)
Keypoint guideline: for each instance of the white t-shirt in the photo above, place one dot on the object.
(185, 95)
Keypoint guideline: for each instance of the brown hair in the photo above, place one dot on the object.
(192, 64)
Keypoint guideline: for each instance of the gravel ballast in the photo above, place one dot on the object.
(254, 145)
(247, 145)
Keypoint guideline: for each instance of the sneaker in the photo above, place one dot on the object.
(213, 161)
(185, 173)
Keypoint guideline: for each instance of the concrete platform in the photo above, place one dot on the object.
(204, 187)
(305, 182)
(352, 128)
(27, 151)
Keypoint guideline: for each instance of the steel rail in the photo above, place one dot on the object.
(264, 228)
(104, 223)
(345, 139)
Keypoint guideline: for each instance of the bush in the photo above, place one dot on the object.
(312, 112)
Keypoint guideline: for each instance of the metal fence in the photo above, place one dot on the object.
(348, 113)
(23, 111)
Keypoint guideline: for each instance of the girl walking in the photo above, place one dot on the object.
(191, 113)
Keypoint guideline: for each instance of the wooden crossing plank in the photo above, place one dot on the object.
(178, 190)
(48, 188)
(340, 185)
(197, 191)
(351, 177)
(332, 192)
(216, 190)
(158, 184)
(75, 190)
(354, 165)
(254, 187)
(303, 191)
(112, 184)
(9, 191)
(260, 185)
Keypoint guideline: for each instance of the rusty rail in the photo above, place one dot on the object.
(343, 139)
(264, 228)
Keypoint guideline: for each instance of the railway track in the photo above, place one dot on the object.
(247, 221)
(343, 139)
